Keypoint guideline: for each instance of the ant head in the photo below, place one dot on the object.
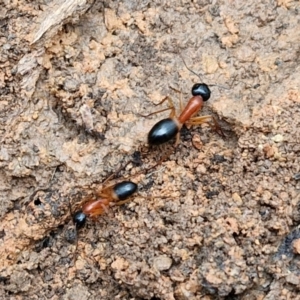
(79, 219)
(201, 89)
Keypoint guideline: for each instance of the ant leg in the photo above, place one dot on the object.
(122, 167)
(199, 120)
(154, 113)
(122, 202)
(115, 173)
(180, 102)
(180, 99)
(205, 119)
(70, 207)
(76, 246)
(171, 107)
(144, 171)
(75, 231)
(177, 139)
(128, 200)
(105, 191)
(105, 209)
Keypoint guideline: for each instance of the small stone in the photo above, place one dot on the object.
(268, 150)
(80, 264)
(266, 196)
(196, 141)
(293, 279)
(35, 115)
(6, 46)
(277, 138)
(297, 176)
(236, 198)
(296, 246)
(162, 263)
(212, 278)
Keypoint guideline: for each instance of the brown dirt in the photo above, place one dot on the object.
(216, 220)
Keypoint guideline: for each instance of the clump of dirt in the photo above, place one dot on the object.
(217, 218)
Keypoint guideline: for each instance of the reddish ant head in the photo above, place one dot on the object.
(79, 219)
(201, 89)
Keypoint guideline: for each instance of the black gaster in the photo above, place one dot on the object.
(79, 219)
(162, 132)
(201, 89)
(124, 189)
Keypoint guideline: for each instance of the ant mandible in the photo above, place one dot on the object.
(166, 129)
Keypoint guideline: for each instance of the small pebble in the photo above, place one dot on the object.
(297, 176)
(277, 138)
(162, 263)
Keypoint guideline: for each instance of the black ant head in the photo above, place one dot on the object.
(201, 89)
(79, 219)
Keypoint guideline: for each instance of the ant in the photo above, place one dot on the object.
(118, 193)
(166, 129)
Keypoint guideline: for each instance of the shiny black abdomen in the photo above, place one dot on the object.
(124, 189)
(79, 219)
(162, 132)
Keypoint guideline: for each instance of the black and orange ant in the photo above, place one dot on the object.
(118, 193)
(166, 129)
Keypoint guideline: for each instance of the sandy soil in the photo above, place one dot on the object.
(218, 218)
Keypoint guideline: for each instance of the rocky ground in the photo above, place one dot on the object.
(218, 218)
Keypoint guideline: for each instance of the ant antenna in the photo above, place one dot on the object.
(189, 68)
(75, 230)
(220, 86)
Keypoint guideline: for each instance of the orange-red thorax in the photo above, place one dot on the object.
(95, 207)
(193, 106)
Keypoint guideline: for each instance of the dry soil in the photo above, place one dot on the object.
(217, 219)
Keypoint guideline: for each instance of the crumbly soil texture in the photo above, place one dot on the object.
(215, 217)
